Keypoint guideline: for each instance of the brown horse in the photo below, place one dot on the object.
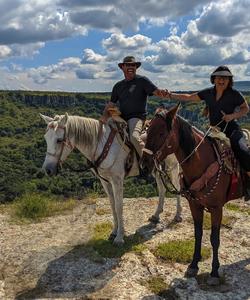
(206, 182)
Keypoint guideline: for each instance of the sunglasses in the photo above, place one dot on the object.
(129, 64)
(222, 77)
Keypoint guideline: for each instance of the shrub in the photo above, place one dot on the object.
(179, 251)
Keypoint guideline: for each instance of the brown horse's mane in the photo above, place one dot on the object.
(185, 133)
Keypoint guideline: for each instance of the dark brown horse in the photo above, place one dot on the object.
(206, 182)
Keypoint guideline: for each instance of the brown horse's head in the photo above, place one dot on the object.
(161, 140)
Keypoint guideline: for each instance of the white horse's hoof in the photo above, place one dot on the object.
(213, 281)
(112, 236)
(178, 219)
(118, 243)
(153, 219)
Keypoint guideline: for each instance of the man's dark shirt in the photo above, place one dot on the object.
(229, 101)
(132, 96)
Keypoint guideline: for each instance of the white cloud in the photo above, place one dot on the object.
(90, 57)
(5, 51)
(225, 18)
(216, 33)
(43, 74)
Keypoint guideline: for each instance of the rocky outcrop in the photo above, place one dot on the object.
(48, 260)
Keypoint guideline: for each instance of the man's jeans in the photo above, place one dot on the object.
(135, 126)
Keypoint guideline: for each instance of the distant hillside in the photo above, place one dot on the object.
(243, 86)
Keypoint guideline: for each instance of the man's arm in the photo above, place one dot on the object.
(183, 97)
(160, 93)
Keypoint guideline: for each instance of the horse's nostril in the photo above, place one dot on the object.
(49, 172)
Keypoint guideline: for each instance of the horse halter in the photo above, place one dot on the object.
(64, 142)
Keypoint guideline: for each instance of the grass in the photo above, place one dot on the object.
(179, 251)
(90, 201)
(105, 248)
(237, 208)
(155, 284)
(35, 207)
(227, 221)
(102, 211)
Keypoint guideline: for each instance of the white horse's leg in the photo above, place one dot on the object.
(109, 191)
(117, 185)
(174, 176)
(155, 218)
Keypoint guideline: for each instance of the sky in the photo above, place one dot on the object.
(75, 45)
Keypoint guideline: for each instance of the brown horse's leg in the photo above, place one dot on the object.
(197, 214)
(216, 217)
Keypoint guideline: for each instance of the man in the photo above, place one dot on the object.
(224, 105)
(131, 94)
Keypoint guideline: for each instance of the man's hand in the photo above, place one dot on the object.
(161, 93)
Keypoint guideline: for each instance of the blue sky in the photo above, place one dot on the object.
(75, 45)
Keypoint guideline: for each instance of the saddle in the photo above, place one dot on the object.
(223, 150)
(225, 160)
(112, 117)
(230, 164)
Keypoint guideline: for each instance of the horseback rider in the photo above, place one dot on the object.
(224, 105)
(131, 94)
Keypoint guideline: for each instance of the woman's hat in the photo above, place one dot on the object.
(221, 71)
(129, 60)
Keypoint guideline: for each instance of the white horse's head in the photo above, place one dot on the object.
(58, 145)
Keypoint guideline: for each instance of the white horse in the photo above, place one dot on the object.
(64, 133)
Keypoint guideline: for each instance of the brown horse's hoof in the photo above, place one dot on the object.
(191, 272)
(213, 281)
(154, 220)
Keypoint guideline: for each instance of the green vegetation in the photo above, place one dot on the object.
(227, 221)
(22, 146)
(237, 208)
(179, 251)
(155, 284)
(99, 247)
(34, 207)
(105, 248)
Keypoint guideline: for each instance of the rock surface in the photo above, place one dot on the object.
(47, 260)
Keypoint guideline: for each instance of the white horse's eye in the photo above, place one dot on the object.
(59, 141)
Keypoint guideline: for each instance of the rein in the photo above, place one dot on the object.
(64, 143)
(91, 164)
(164, 174)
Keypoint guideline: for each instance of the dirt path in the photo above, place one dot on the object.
(48, 260)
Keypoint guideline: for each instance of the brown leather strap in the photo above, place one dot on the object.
(106, 148)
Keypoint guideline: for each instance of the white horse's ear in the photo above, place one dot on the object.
(64, 119)
(46, 118)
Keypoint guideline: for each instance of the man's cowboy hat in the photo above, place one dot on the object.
(221, 71)
(129, 60)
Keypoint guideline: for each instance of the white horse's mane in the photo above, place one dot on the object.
(84, 130)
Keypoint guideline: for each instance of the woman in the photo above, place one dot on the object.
(225, 105)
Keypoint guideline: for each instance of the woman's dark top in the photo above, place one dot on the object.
(229, 101)
(132, 96)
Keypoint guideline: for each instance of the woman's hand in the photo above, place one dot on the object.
(227, 117)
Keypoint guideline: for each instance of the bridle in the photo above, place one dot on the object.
(155, 157)
(65, 142)
(158, 153)
(163, 174)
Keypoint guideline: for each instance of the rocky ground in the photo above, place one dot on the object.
(47, 260)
